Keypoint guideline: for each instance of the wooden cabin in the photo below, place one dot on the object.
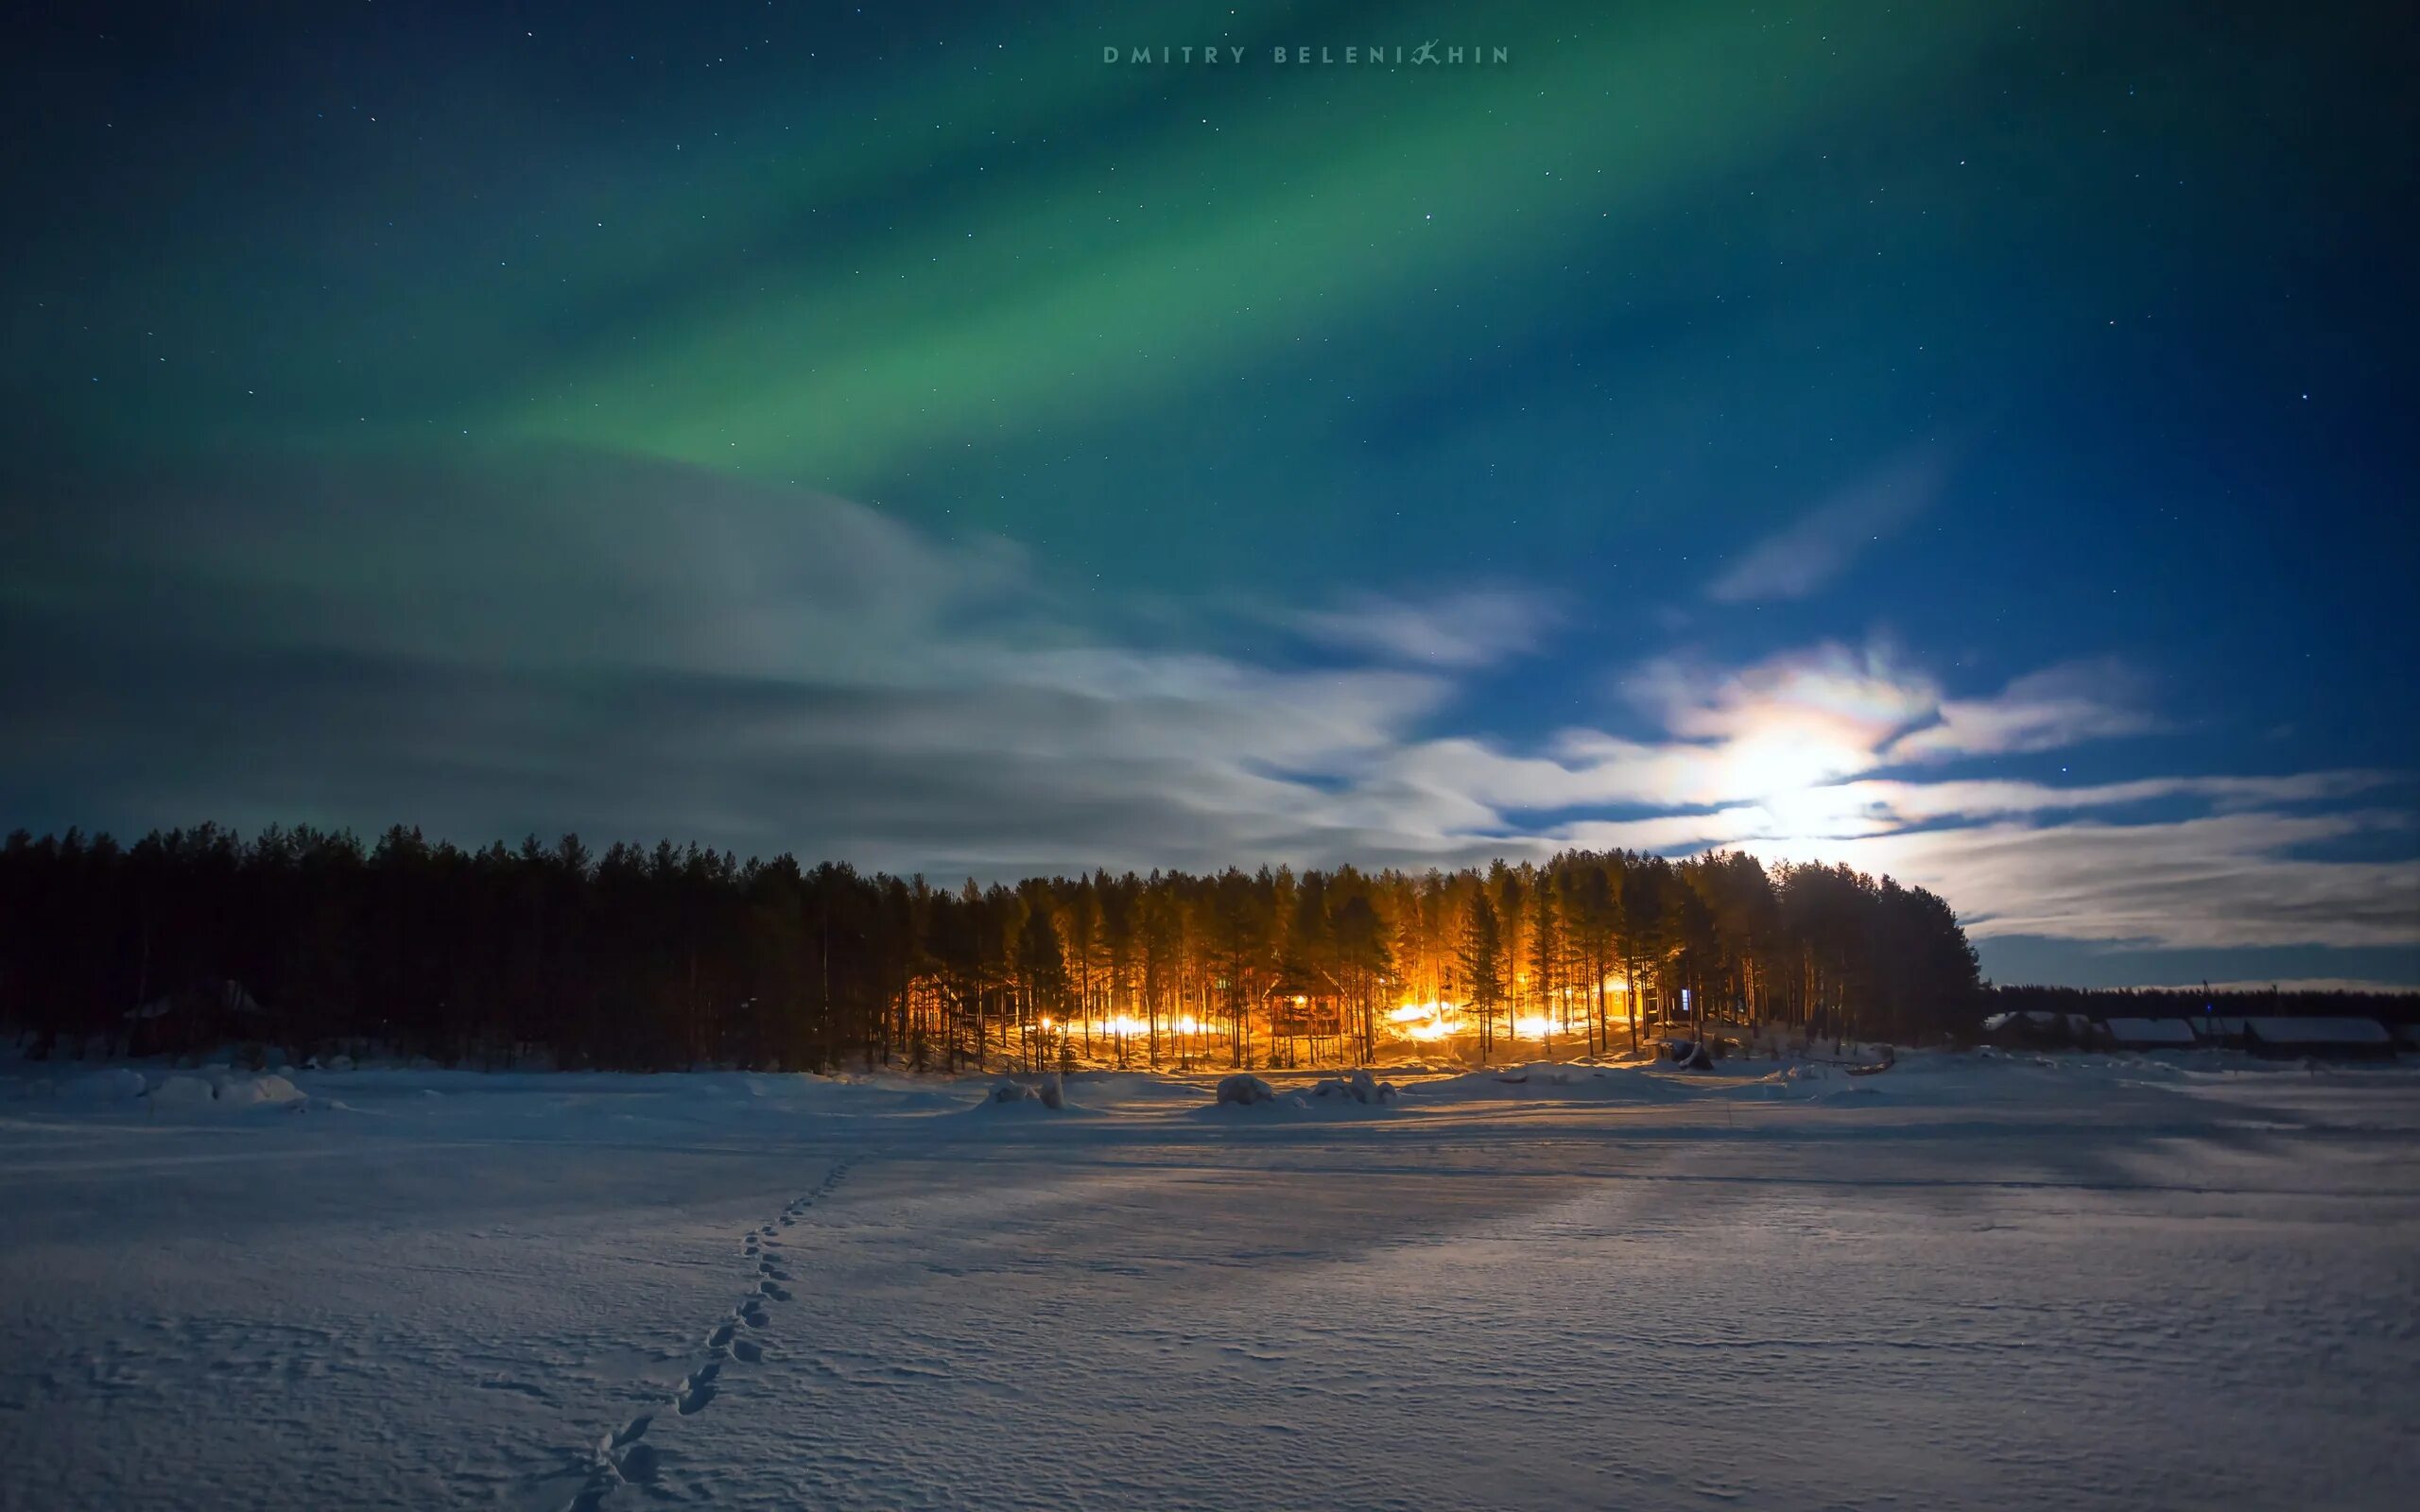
(1308, 1021)
(2148, 1034)
(2319, 1038)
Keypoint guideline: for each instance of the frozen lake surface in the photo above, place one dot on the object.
(2090, 1283)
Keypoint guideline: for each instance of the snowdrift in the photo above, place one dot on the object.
(1357, 1096)
(1244, 1090)
(119, 1084)
(217, 1088)
(1648, 1084)
(1049, 1094)
(1361, 1087)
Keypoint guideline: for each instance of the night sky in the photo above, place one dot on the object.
(1970, 441)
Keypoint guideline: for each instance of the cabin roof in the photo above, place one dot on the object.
(1302, 982)
(2319, 1031)
(2153, 1031)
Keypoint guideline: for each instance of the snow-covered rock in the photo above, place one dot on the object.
(1361, 1086)
(221, 1088)
(1245, 1090)
(265, 1089)
(1046, 1092)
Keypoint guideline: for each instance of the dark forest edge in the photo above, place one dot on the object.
(681, 956)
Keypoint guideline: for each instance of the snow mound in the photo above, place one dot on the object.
(221, 1088)
(1538, 1078)
(1049, 1093)
(1645, 1083)
(1361, 1087)
(119, 1084)
(183, 1091)
(251, 1092)
(1245, 1090)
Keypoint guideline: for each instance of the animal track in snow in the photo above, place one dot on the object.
(623, 1457)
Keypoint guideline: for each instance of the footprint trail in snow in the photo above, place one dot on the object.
(624, 1457)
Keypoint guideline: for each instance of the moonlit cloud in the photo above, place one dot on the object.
(2217, 882)
(1915, 803)
(2048, 710)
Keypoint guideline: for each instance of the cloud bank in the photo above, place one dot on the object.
(633, 650)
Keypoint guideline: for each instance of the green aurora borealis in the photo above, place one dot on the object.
(410, 394)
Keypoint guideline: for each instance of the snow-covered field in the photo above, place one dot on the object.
(2093, 1282)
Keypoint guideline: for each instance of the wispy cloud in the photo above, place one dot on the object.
(1908, 802)
(2048, 710)
(1467, 627)
(2215, 881)
(1796, 561)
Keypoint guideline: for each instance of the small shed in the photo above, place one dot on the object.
(2148, 1034)
(1306, 1014)
(2333, 1038)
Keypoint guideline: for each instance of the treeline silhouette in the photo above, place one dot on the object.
(639, 959)
(2192, 1003)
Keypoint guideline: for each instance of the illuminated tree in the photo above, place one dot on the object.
(672, 957)
(1481, 961)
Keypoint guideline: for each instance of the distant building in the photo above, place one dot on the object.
(2219, 1030)
(2335, 1039)
(1307, 1019)
(2148, 1034)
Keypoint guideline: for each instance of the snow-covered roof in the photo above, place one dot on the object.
(2151, 1031)
(2036, 1018)
(2219, 1026)
(2319, 1031)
